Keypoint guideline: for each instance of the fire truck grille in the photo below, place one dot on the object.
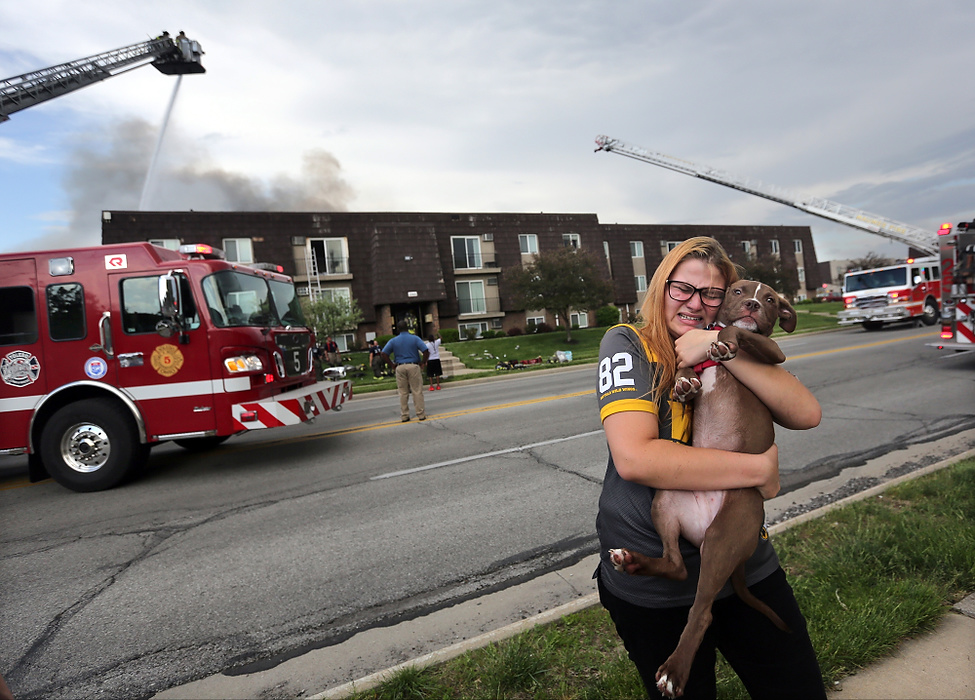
(872, 302)
(294, 348)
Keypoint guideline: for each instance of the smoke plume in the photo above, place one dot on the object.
(107, 171)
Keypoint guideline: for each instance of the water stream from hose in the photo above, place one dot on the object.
(150, 174)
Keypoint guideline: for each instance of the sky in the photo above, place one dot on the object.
(471, 106)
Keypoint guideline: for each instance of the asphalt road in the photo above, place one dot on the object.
(280, 542)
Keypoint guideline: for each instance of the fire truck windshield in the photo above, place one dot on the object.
(876, 279)
(238, 299)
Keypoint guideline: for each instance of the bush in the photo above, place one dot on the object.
(449, 335)
(470, 333)
(541, 328)
(607, 316)
(515, 331)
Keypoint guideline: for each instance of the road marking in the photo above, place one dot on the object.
(483, 455)
(860, 347)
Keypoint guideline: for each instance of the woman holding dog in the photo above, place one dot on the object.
(649, 444)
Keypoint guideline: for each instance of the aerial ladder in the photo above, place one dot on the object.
(172, 56)
(918, 238)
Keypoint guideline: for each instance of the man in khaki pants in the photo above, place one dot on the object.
(410, 355)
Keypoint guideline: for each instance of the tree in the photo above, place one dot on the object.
(868, 262)
(560, 281)
(331, 316)
(769, 270)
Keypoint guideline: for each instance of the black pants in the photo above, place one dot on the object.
(771, 663)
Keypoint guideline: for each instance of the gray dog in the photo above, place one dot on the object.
(724, 525)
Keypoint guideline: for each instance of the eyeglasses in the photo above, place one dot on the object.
(682, 291)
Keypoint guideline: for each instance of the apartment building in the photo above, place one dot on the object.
(445, 270)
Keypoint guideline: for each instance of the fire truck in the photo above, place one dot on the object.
(106, 351)
(957, 286)
(905, 291)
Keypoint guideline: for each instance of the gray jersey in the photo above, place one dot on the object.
(626, 375)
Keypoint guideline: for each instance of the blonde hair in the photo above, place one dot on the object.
(654, 330)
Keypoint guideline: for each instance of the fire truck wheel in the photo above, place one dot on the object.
(930, 314)
(92, 446)
(202, 444)
(872, 325)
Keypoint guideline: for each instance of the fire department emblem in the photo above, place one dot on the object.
(167, 360)
(19, 368)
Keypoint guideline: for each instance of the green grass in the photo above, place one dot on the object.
(866, 576)
(485, 354)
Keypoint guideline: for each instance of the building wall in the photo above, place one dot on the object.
(401, 264)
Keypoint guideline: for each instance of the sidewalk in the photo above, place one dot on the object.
(928, 667)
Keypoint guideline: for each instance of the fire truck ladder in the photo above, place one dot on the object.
(168, 55)
(920, 239)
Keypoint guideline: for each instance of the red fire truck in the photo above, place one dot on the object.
(906, 291)
(106, 351)
(958, 286)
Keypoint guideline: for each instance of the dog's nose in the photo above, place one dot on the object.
(752, 304)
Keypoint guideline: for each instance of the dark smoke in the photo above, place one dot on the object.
(107, 171)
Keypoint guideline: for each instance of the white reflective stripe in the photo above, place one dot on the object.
(19, 403)
(178, 389)
(282, 412)
(233, 384)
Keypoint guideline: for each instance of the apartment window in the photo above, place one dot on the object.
(528, 243)
(636, 249)
(345, 341)
(775, 246)
(333, 293)
(747, 247)
(797, 244)
(238, 250)
(670, 245)
(571, 240)
(641, 283)
(470, 297)
(170, 243)
(467, 252)
(330, 256)
(534, 320)
(478, 328)
(580, 319)
(802, 275)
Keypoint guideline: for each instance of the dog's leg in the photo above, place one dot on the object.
(726, 545)
(760, 347)
(686, 385)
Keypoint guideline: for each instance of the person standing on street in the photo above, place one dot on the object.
(434, 367)
(410, 355)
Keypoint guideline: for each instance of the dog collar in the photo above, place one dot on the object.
(704, 365)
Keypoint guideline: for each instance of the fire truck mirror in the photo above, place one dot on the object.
(166, 329)
(918, 279)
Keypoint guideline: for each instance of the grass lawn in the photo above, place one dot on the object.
(866, 576)
(485, 354)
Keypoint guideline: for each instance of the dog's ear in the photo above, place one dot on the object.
(787, 315)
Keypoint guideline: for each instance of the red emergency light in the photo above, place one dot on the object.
(944, 230)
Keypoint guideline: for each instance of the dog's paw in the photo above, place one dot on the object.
(685, 388)
(666, 687)
(722, 350)
(616, 558)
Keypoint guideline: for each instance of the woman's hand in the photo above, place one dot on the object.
(692, 347)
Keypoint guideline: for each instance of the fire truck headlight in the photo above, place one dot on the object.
(243, 363)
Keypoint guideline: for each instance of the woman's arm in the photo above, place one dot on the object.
(641, 456)
(792, 405)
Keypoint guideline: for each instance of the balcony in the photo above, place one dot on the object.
(479, 306)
